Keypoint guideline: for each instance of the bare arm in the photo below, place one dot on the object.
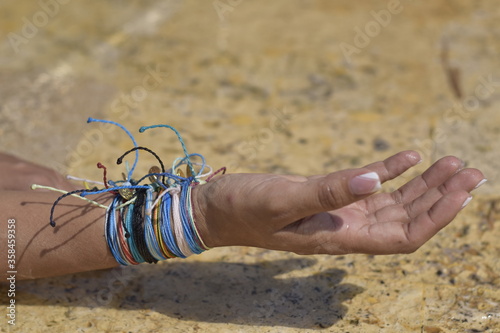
(335, 213)
(77, 243)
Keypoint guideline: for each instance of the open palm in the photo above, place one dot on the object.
(320, 214)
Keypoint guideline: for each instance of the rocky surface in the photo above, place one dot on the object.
(301, 87)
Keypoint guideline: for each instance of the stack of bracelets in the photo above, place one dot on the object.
(148, 222)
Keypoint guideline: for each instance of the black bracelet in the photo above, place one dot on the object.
(138, 226)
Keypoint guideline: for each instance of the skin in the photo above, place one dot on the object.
(305, 215)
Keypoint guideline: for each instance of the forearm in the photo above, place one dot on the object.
(76, 244)
(320, 214)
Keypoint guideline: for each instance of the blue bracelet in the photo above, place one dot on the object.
(149, 233)
(111, 236)
(186, 225)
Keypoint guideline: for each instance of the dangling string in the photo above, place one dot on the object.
(209, 172)
(120, 159)
(223, 169)
(100, 166)
(169, 175)
(72, 193)
(181, 160)
(92, 120)
(145, 128)
(148, 222)
(111, 189)
(36, 186)
(131, 201)
(84, 180)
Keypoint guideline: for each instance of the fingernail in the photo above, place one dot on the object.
(481, 183)
(466, 202)
(365, 183)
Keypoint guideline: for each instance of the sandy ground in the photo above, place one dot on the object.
(302, 87)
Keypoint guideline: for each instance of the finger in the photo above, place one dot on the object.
(389, 168)
(398, 237)
(395, 165)
(434, 176)
(466, 179)
(341, 188)
(427, 224)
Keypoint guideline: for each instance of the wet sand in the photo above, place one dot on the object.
(305, 87)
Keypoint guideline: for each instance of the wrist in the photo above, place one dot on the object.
(203, 226)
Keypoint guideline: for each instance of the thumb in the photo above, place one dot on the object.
(334, 190)
(365, 183)
(338, 189)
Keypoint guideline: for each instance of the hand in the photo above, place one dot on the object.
(335, 213)
(19, 175)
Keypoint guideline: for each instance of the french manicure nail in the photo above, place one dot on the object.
(466, 202)
(365, 183)
(481, 183)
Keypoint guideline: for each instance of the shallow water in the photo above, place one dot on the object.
(284, 87)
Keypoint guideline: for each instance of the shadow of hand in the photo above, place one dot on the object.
(238, 293)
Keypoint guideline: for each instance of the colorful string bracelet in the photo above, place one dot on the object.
(151, 219)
